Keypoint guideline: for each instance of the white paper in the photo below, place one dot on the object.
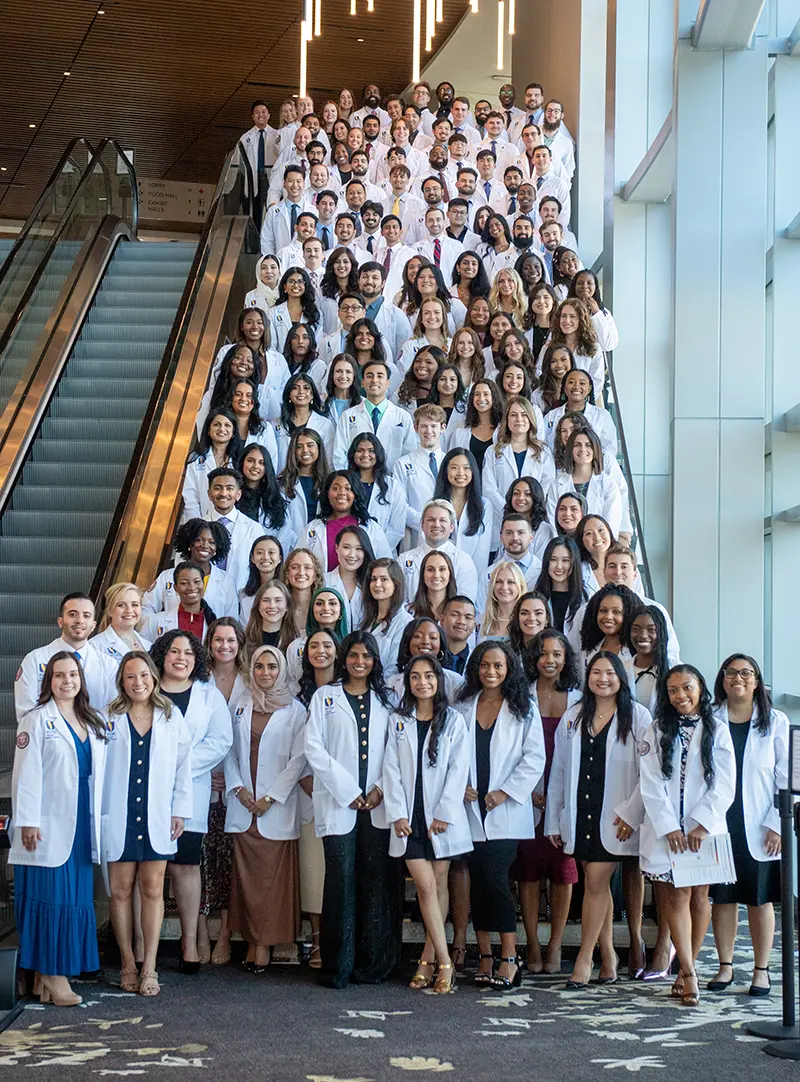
(712, 863)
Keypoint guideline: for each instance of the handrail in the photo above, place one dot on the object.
(46, 192)
(150, 494)
(28, 405)
(632, 500)
(61, 228)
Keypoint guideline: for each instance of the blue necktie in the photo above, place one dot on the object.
(376, 418)
(370, 245)
(494, 147)
(487, 187)
(512, 206)
(539, 183)
(434, 465)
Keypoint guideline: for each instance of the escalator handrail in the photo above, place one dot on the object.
(29, 403)
(40, 202)
(632, 500)
(96, 159)
(118, 530)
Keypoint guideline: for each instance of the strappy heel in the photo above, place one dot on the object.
(690, 997)
(757, 990)
(129, 980)
(721, 986)
(420, 980)
(148, 985)
(445, 978)
(484, 978)
(677, 987)
(501, 983)
(458, 955)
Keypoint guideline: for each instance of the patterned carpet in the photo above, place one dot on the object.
(281, 1028)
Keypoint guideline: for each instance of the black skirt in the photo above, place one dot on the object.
(419, 846)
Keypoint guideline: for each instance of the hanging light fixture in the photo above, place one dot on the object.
(440, 11)
(501, 29)
(430, 24)
(512, 16)
(474, 5)
(416, 33)
(318, 18)
(303, 58)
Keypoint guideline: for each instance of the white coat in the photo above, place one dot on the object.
(477, 546)
(395, 431)
(597, 418)
(44, 788)
(443, 784)
(414, 475)
(606, 329)
(390, 516)
(602, 497)
(114, 647)
(500, 472)
(450, 251)
(280, 323)
(323, 426)
(765, 771)
(281, 763)
(169, 782)
(270, 393)
(209, 723)
(621, 796)
(394, 325)
(315, 538)
(332, 745)
(516, 763)
(459, 436)
(467, 579)
(704, 804)
(156, 624)
(220, 593)
(99, 669)
(243, 532)
(388, 640)
(276, 232)
(453, 683)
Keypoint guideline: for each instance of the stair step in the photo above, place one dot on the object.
(73, 524)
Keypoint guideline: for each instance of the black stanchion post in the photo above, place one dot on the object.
(787, 1028)
(788, 1048)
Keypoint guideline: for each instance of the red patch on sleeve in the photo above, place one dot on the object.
(23, 740)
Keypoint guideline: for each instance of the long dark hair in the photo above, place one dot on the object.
(591, 635)
(287, 409)
(496, 416)
(160, 648)
(570, 677)
(328, 286)
(624, 697)
(420, 605)
(254, 575)
(515, 688)
(226, 380)
(309, 358)
(369, 555)
(398, 597)
(761, 696)
(487, 238)
(661, 664)
(308, 301)
(375, 679)
(255, 422)
(514, 630)
(667, 721)
(404, 649)
(443, 490)
(479, 286)
(308, 680)
(538, 512)
(575, 587)
(84, 711)
(579, 531)
(235, 444)
(378, 349)
(355, 389)
(442, 291)
(408, 703)
(459, 398)
(264, 500)
(380, 472)
(360, 508)
(289, 474)
(550, 387)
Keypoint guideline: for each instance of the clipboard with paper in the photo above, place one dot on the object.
(712, 863)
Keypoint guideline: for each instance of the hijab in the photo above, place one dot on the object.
(266, 294)
(339, 630)
(279, 695)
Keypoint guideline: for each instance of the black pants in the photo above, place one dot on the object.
(360, 927)
(490, 897)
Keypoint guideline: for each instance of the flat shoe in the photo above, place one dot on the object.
(758, 990)
(721, 986)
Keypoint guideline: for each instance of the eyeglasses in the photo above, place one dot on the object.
(350, 307)
(742, 674)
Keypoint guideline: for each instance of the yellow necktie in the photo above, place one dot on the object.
(396, 207)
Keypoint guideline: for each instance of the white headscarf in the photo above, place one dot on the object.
(267, 296)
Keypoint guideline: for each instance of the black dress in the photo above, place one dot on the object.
(591, 787)
(757, 881)
(479, 449)
(419, 846)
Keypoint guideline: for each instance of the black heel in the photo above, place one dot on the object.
(484, 978)
(502, 984)
(755, 990)
(191, 969)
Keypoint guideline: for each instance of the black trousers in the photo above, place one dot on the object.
(360, 927)
(490, 897)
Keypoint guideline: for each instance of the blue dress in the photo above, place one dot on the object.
(55, 906)
(137, 835)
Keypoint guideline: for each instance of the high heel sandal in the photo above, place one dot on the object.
(148, 985)
(47, 995)
(676, 991)
(129, 980)
(501, 983)
(484, 978)
(721, 986)
(690, 997)
(445, 978)
(757, 990)
(314, 957)
(420, 980)
(610, 980)
(458, 955)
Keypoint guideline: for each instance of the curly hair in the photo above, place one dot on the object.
(591, 635)
(569, 678)
(375, 680)
(586, 336)
(360, 508)
(162, 645)
(188, 533)
(667, 722)
(625, 700)
(515, 689)
(408, 704)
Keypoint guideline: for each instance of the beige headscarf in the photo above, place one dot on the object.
(279, 695)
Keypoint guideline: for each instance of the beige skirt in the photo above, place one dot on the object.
(312, 869)
(265, 893)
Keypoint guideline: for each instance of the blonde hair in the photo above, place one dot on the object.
(519, 311)
(429, 412)
(112, 596)
(492, 623)
(122, 703)
(504, 434)
(419, 329)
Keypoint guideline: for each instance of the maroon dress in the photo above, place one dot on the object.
(537, 858)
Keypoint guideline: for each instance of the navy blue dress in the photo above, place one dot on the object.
(54, 907)
(137, 836)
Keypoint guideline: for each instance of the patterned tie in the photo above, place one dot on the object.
(376, 418)
(434, 465)
(387, 260)
(437, 252)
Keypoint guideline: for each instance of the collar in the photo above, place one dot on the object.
(231, 515)
(380, 406)
(374, 306)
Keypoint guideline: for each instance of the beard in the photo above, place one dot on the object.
(551, 129)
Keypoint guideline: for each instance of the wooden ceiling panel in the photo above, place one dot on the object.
(174, 82)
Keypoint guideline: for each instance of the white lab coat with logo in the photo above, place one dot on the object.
(467, 579)
(281, 764)
(443, 783)
(390, 516)
(621, 795)
(765, 771)
(704, 804)
(243, 532)
(99, 669)
(220, 593)
(315, 538)
(500, 472)
(170, 782)
(602, 497)
(414, 475)
(388, 640)
(332, 745)
(114, 647)
(516, 763)
(209, 723)
(395, 431)
(323, 426)
(44, 788)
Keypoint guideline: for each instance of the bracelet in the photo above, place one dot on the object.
(238, 790)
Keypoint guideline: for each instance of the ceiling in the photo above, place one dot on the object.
(174, 81)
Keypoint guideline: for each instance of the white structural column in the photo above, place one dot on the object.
(719, 127)
(785, 383)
